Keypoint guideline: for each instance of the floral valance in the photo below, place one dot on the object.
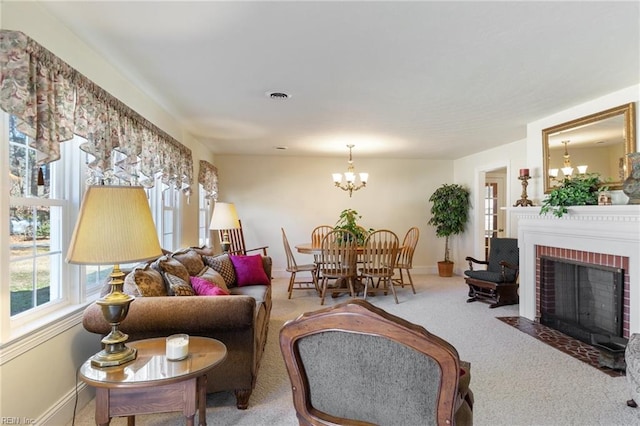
(52, 102)
(208, 178)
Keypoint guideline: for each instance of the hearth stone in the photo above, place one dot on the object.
(611, 355)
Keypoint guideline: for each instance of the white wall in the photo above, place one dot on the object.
(470, 171)
(298, 194)
(526, 153)
(37, 375)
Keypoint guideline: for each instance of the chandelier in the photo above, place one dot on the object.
(350, 177)
(567, 170)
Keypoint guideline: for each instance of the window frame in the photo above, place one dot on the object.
(33, 326)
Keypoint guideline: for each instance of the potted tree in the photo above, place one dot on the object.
(449, 214)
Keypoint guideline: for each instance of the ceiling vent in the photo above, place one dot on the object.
(278, 95)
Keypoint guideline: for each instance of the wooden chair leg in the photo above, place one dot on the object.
(411, 282)
(393, 288)
(292, 279)
(401, 278)
(324, 290)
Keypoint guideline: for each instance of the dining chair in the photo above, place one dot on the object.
(405, 257)
(317, 234)
(378, 262)
(338, 263)
(356, 364)
(293, 268)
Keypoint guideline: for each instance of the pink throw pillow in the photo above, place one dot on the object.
(249, 270)
(203, 287)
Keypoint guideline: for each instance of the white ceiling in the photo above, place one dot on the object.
(423, 79)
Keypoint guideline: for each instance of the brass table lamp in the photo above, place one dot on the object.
(224, 217)
(114, 227)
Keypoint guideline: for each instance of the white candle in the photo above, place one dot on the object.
(177, 346)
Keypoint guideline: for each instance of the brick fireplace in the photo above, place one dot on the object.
(607, 236)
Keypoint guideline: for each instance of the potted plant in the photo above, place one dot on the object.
(578, 190)
(449, 214)
(349, 221)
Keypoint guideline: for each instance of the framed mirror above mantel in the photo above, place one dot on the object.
(597, 143)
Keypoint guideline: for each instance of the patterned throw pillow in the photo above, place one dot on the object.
(222, 265)
(169, 265)
(203, 287)
(146, 281)
(211, 275)
(178, 287)
(249, 270)
(190, 259)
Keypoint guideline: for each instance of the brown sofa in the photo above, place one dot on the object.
(239, 320)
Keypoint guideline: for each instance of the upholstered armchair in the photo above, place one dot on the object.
(355, 364)
(499, 281)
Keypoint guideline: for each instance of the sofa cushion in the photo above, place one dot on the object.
(211, 275)
(190, 259)
(178, 286)
(249, 270)
(169, 265)
(204, 251)
(259, 292)
(222, 264)
(144, 281)
(204, 287)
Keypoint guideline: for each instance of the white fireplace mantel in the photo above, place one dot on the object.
(613, 230)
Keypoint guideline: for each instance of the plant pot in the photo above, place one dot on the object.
(445, 269)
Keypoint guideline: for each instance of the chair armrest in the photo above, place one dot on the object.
(506, 264)
(263, 248)
(241, 252)
(471, 261)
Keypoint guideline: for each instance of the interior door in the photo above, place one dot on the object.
(494, 215)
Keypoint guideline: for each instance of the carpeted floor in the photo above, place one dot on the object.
(516, 378)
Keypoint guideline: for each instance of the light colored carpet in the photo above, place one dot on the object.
(516, 379)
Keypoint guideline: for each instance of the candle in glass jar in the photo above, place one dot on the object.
(524, 172)
(177, 347)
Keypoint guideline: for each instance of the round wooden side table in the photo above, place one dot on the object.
(153, 384)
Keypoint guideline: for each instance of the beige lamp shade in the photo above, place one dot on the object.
(224, 216)
(115, 226)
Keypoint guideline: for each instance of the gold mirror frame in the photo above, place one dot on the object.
(628, 139)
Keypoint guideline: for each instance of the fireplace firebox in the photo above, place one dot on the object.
(582, 300)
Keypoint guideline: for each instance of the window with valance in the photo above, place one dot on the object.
(52, 102)
(208, 178)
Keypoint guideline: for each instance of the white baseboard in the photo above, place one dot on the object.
(62, 413)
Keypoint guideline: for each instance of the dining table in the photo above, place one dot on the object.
(309, 248)
(315, 249)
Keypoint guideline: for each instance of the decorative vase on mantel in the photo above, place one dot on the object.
(631, 185)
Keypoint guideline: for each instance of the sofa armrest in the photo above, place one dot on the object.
(162, 316)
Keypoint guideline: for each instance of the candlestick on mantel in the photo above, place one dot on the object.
(524, 202)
